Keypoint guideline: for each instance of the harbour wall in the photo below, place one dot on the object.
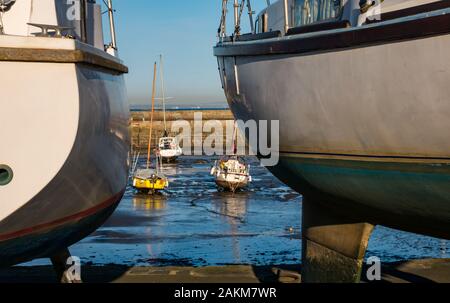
(191, 133)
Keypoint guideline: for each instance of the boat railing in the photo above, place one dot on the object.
(112, 27)
(224, 167)
(110, 48)
(238, 8)
(237, 171)
(267, 23)
(78, 11)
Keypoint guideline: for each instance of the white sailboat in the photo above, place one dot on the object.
(168, 146)
(231, 172)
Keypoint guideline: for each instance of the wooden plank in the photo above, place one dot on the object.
(59, 56)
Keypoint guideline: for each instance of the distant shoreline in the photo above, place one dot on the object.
(180, 106)
(140, 124)
(174, 109)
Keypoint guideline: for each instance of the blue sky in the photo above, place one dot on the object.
(184, 31)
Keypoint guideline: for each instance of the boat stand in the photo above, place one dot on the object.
(333, 246)
(65, 270)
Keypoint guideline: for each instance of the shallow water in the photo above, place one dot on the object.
(194, 224)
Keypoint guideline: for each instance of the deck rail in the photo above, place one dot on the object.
(238, 8)
(112, 26)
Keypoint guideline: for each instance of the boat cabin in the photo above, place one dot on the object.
(168, 143)
(80, 20)
(289, 17)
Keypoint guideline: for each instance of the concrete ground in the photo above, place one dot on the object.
(418, 271)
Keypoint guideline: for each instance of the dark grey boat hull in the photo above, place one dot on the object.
(363, 127)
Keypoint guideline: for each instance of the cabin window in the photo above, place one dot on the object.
(312, 11)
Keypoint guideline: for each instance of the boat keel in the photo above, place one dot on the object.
(333, 245)
(64, 267)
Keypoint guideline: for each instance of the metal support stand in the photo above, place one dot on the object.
(286, 16)
(333, 246)
(62, 269)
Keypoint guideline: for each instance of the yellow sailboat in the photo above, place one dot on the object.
(148, 179)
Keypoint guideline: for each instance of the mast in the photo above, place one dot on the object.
(161, 69)
(151, 118)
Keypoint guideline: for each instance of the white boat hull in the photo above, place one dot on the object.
(170, 154)
(67, 141)
(231, 182)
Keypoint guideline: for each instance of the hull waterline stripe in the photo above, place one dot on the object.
(367, 157)
(62, 221)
